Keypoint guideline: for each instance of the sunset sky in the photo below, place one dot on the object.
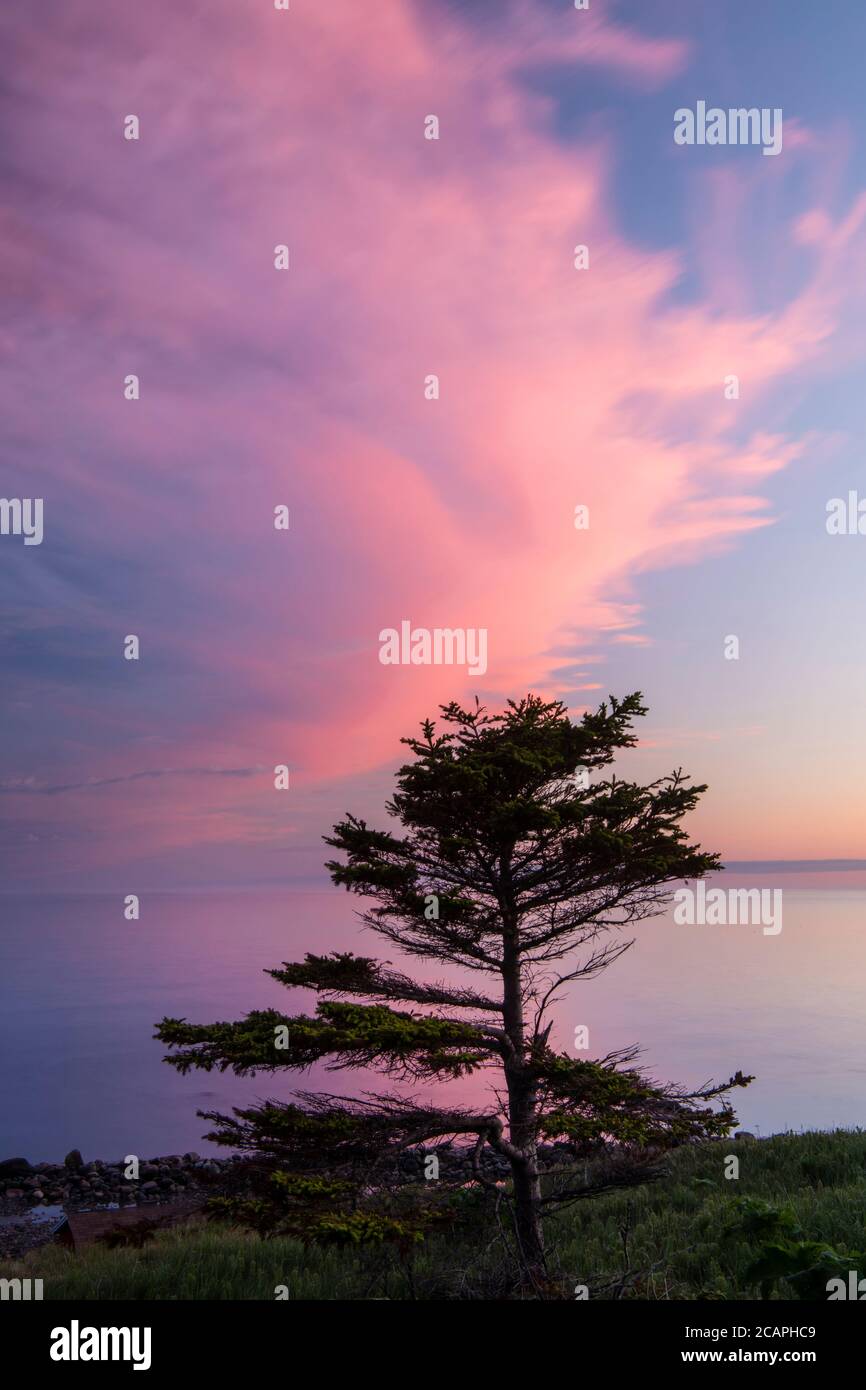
(558, 387)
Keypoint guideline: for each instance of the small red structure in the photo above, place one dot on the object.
(82, 1228)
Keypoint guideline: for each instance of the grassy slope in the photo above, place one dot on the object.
(673, 1226)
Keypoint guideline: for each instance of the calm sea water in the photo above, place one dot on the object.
(81, 988)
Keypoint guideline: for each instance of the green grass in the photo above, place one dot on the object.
(668, 1236)
(677, 1225)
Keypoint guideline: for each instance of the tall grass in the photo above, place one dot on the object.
(664, 1241)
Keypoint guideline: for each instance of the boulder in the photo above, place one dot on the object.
(73, 1159)
(15, 1168)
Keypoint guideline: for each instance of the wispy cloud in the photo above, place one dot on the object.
(408, 257)
(30, 787)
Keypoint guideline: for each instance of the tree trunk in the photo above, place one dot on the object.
(522, 1122)
(527, 1211)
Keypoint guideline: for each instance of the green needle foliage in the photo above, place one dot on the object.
(520, 858)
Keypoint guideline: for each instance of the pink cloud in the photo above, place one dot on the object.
(558, 387)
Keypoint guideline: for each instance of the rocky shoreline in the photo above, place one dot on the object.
(75, 1184)
(31, 1194)
(34, 1196)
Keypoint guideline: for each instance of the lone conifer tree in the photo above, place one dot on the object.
(519, 858)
